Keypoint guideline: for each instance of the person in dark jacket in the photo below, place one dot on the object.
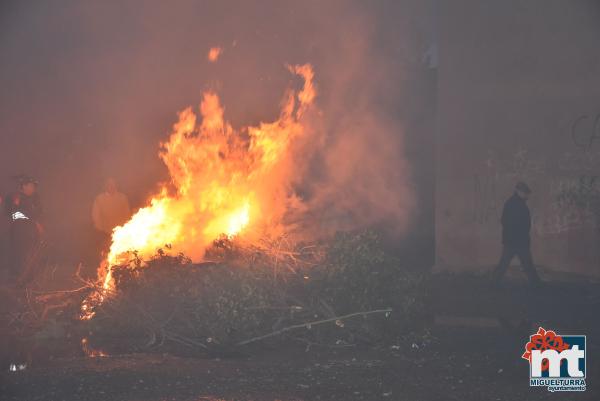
(516, 225)
(24, 211)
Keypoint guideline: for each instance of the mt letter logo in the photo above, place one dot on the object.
(556, 362)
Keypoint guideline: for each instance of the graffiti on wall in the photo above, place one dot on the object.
(563, 169)
(585, 131)
(566, 201)
(571, 204)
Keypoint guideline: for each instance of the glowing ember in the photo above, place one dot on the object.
(224, 182)
(90, 352)
(214, 53)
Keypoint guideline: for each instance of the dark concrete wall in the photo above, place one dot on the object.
(519, 99)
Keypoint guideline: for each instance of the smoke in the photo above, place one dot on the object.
(90, 89)
(360, 176)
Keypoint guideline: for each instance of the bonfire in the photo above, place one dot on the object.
(211, 263)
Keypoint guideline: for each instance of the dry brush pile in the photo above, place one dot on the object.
(342, 293)
(338, 293)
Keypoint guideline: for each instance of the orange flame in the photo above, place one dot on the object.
(226, 181)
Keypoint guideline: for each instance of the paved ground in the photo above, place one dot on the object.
(478, 338)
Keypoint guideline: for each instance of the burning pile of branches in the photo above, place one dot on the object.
(337, 294)
(235, 185)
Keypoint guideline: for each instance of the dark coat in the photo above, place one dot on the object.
(24, 213)
(516, 222)
(29, 206)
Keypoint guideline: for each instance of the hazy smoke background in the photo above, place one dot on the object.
(90, 88)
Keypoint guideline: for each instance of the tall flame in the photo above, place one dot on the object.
(225, 181)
